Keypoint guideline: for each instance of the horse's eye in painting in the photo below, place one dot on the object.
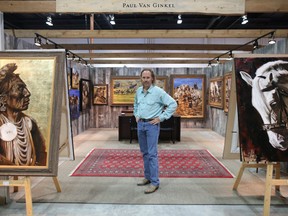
(283, 91)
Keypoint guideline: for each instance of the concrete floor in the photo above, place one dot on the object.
(45, 209)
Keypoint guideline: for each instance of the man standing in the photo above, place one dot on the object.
(152, 105)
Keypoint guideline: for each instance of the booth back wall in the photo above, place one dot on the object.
(106, 116)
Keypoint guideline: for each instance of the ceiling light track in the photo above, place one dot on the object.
(38, 42)
(255, 46)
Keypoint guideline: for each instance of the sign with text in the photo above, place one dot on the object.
(228, 7)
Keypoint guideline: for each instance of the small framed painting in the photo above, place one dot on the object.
(100, 94)
(85, 94)
(75, 77)
(74, 102)
(216, 92)
(188, 91)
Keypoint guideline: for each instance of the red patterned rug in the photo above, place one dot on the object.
(172, 164)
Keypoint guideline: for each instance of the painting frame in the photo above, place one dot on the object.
(257, 102)
(74, 103)
(75, 78)
(196, 84)
(69, 78)
(215, 92)
(85, 94)
(123, 88)
(227, 90)
(56, 61)
(101, 99)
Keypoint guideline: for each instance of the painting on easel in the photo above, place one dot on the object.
(31, 93)
(262, 99)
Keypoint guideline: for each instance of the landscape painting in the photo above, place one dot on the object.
(123, 89)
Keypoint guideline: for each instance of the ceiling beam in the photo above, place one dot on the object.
(266, 6)
(24, 6)
(193, 33)
(148, 61)
(49, 6)
(150, 55)
(150, 47)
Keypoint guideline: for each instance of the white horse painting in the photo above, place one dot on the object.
(270, 99)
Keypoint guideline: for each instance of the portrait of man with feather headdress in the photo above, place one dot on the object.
(21, 142)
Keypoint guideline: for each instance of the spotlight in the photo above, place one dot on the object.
(37, 41)
(217, 60)
(179, 21)
(209, 64)
(230, 55)
(255, 44)
(49, 21)
(244, 20)
(67, 54)
(271, 39)
(112, 20)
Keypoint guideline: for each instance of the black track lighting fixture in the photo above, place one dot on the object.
(37, 41)
(271, 39)
(49, 21)
(255, 46)
(67, 54)
(230, 55)
(244, 20)
(112, 19)
(179, 21)
(209, 64)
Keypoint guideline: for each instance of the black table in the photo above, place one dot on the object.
(124, 129)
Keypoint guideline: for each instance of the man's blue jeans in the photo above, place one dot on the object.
(148, 135)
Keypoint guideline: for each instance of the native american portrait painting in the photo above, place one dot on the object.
(262, 96)
(188, 91)
(21, 143)
(100, 94)
(216, 92)
(27, 123)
